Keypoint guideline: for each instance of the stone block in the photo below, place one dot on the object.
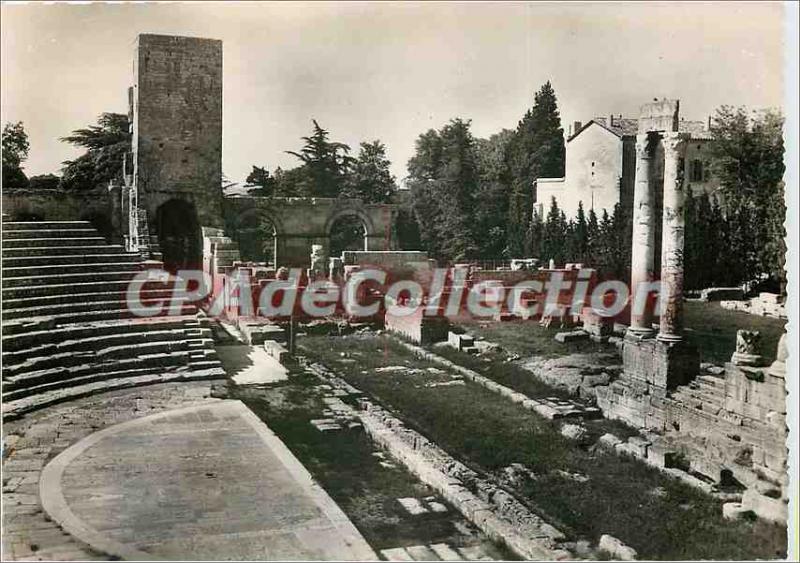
(571, 336)
(616, 549)
(277, 351)
(734, 511)
(608, 441)
(772, 509)
(573, 432)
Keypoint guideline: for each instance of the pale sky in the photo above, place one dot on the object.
(388, 70)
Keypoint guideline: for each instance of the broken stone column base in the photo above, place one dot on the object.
(665, 365)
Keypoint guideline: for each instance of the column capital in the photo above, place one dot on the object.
(674, 142)
(645, 147)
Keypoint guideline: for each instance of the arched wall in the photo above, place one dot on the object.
(303, 222)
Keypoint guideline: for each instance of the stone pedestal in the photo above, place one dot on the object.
(660, 364)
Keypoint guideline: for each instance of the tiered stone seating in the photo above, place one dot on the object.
(67, 329)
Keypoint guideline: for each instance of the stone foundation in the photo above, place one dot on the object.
(661, 364)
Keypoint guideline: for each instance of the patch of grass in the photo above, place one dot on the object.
(344, 464)
(714, 330)
(527, 338)
(503, 372)
(489, 432)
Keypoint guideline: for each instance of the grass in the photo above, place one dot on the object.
(713, 330)
(527, 338)
(658, 516)
(344, 464)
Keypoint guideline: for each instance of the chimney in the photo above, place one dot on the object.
(611, 120)
(576, 127)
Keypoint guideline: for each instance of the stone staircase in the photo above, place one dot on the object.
(705, 393)
(67, 329)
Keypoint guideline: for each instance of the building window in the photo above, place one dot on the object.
(706, 172)
(696, 172)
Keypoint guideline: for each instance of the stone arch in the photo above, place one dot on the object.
(258, 233)
(347, 230)
(349, 211)
(178, 231)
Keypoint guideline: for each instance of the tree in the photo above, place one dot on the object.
(536, 151)
(370, 178)
(491, 197)
(580, 244)
(748, 160)
(44, 182)
(325, 162)
(106, 145)
(443, 177)
(593, 236)
(15, 152)
(260, 183)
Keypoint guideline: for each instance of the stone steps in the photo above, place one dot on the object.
(119, 295)
(90, 344)
(54, 242)
(76, 288)
(49, 270)
(59, 278)
(9, 226)
(56, 233)
(55, 250)
(20, 407)
(115, 315)
(67, 329)
(161, 342)
(70, 259)
(60, 374)
(30, 339)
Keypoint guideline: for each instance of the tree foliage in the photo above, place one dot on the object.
(15, 152)
(369, 177)
(748, 160)
(325, 164)
(106, 145)
(443, 177)
(536, 151)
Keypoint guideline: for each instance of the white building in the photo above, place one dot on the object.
(601, 164)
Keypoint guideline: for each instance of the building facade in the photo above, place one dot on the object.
(600, 166)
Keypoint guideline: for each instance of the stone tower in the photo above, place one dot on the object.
(177, 139)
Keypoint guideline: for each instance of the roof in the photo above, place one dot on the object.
(625, 127)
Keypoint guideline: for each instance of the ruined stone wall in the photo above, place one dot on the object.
(96, 206)
(177, 124)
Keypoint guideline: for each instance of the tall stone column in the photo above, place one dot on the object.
(672, 238)
(644, 232)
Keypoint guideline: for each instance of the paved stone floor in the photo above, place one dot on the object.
(30, 442)
(248, 365)
(206, 482)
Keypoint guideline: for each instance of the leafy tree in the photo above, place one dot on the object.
(106, 145)
(580, 245)
(44, 182)
(370, 178)
(491, 198)
(592, 234)
(537, 150)
(15, 152)
(443, 177)
(325, 162)
(748, 160)
(260, 183)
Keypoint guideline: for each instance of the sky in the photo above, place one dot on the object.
(389, 71)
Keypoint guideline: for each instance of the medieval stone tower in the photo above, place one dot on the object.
(176, 107)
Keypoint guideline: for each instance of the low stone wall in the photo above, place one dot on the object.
(491, 508)
(96, 206)
(764, 305)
